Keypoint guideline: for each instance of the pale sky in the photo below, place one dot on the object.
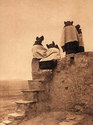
(22, 20)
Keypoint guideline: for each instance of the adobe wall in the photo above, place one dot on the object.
(72, 83)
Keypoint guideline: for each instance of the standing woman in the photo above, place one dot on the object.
(70, 41)
(80, 39)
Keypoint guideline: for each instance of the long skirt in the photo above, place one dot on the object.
(71, 47)
(51, 64)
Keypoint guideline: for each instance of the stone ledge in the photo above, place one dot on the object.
(43, 75)
(35, 95)
(25, 102)
(34, 90)
(15, 116)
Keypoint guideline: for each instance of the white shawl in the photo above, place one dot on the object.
(39, 51)
(52, 54)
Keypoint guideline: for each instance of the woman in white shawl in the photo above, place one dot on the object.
(38, 50)
(53, 54)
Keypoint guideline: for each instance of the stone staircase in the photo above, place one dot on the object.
(34, 99)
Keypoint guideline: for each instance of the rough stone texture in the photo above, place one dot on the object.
(35, 65)
(30, 95)
(33, 84)
(42, 107)
(15, 116)
(36, 95)
(43, 76)
(72, 83)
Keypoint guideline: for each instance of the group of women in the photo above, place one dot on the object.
(72, 42)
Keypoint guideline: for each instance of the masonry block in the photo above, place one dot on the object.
(29, 95)
(43, 75)
(38, 74)
(34, 95)
(35, 65)
(24, 106)
(15, 116)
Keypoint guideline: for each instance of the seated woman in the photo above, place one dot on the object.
(70, 42)
(50, 61)
(38, 49)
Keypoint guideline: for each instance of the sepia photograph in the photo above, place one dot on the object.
(46, 62)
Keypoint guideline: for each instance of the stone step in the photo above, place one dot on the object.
(15, 116)
(31, 94)
(7, 122)
(33, 90)
(36, 84)
(68, 123)
(35, 95)
(24, 106)
(25, 102)
(42, 75)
